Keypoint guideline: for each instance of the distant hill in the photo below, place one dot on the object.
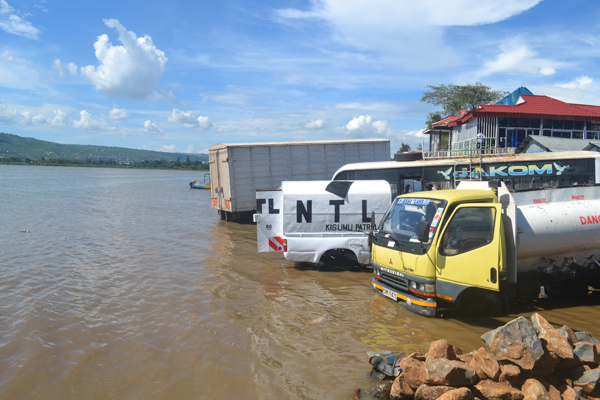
(17, 146)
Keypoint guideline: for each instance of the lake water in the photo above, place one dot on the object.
(124, 284)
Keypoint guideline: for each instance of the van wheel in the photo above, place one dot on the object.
(480, 304)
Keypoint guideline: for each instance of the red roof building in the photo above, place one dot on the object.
(493, 126)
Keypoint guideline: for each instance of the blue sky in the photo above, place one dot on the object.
(184, 75)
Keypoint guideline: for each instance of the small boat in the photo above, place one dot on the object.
(201, 184)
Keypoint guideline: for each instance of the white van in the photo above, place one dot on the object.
(320, 221)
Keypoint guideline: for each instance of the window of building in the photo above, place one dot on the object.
(591, 135)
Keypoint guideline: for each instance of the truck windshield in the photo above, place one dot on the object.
(403, 217)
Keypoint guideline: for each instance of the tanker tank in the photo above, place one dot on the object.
(552, 226)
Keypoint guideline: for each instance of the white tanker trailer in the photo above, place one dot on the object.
(482, 248)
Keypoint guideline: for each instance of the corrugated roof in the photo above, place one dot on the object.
(554, 144)
(528, 106)
(592, 145)
(453, 118)
(532, 106)
(297, 143)
(512, 98)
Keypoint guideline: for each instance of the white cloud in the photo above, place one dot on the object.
(132, 70)
(5, 8)
(578, 83)
(170, 149)
(60, 119)
(119, 114)
(405, 26)
(417, 134)
(38, 119)
(381, 126)
(14, 24)
(188, 120)
(60, 68)
(190, 148)
(21, 74)
(151, 128)
(8, 116)
(516, 58)
(86, 121)
(316, 124)
(360, 122)
(364, 126)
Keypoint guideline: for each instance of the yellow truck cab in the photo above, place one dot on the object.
(481, 247)
(459, 228)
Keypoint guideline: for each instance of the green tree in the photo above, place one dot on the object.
(433, 117)
(404, 147)
(453, 98)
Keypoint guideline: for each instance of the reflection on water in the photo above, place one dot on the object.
(125, 284)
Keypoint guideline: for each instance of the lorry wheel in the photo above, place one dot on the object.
(480, 304)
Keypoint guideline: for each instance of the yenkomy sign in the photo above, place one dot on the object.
(514, 170)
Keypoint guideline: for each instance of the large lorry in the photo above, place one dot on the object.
(238, 170)
(321, 222)
(481, 247)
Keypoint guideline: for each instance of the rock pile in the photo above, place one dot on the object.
(526, 360)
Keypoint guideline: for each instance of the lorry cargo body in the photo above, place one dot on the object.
(490, 248)
(238, 170)
(310, 220)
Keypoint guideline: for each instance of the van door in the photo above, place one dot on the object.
(471, 247)
(269, 221)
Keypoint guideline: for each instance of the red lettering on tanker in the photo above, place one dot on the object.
(590, 219)
(579, 197)
(538, 201)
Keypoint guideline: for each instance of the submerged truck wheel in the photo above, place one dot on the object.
(224, 215)
(481, 304)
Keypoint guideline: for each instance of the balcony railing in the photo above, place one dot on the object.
(463, 153)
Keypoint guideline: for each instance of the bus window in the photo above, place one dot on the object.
(410, 185)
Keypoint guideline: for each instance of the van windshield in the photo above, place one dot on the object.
(403, 217)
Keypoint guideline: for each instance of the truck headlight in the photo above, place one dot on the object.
(377, 273)
(423, 289)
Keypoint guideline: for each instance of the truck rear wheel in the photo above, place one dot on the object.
(224, 215)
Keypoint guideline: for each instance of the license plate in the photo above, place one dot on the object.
(390, 294)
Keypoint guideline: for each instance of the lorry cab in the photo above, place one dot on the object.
(442, 246)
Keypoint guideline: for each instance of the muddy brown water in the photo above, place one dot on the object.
(123, 284)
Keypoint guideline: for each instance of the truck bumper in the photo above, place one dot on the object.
(415, 304)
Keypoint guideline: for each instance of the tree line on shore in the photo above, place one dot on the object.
(108, 163)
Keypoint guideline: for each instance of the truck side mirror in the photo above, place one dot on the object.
(370, 239)
(423, 235)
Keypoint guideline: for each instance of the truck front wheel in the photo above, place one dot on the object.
(481, 304)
